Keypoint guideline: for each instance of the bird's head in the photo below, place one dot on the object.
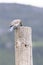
(15, 24)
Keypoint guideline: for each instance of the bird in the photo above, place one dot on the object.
(15, 24)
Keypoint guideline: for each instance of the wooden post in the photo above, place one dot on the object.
(23, 46)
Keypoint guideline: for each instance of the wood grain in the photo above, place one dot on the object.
(23, 46)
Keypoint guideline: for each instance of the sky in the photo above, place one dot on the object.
(37, 3)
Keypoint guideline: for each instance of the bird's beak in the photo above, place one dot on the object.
(11, 28)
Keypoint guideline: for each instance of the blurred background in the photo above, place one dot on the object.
(31, 16)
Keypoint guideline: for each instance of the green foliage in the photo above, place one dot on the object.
(37, 44)
(37, 55)
(6, 57)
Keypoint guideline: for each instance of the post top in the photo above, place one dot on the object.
(25, 27)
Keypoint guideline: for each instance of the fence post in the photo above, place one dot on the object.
(23, 46)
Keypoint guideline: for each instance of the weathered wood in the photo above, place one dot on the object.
(23, 46)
